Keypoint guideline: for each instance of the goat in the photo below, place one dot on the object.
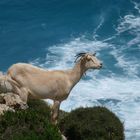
(38, 83)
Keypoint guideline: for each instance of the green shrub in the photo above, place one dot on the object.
(31, 124)
(96, 123)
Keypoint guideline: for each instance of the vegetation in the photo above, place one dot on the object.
(96, 123)
(31, 124)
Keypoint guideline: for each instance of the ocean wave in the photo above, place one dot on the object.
(131, 24)
(62, 56)
(129, 65)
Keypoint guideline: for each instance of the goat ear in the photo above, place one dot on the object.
(88, 57)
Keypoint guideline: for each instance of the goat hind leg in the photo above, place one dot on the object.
(22, 92)
(20, 101)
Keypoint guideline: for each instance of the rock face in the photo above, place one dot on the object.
(10, 102)
(4, 108)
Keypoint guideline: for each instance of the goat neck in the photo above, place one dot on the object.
(77, 72)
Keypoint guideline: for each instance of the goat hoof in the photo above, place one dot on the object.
(63, 137)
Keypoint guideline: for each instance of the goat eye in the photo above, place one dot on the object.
(92, 60)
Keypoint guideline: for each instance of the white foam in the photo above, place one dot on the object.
(134, 41)
(136, 6)
(62, 56)
(106, 88)
(95, 35)
(129, 23)
(130, 66)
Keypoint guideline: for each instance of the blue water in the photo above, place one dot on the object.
(49, 34)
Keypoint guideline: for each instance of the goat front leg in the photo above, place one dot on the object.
(55, 112)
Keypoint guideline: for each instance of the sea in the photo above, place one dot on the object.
(49, 33)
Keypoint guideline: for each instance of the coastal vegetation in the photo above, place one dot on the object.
(94, 123)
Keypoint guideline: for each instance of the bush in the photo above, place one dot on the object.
(96, 123)
(31, 124)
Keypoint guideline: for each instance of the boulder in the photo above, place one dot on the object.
(4, 108)
(10, 101)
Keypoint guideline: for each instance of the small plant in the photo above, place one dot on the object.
(31, 124)
(96, 123)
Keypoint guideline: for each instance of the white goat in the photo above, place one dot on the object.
(38, 83)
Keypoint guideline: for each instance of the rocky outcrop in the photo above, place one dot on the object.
(4, 108)
(11, 102)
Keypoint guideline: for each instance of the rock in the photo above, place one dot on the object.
(10, 102)
(2, 101)
(4, 108)
(14, 100)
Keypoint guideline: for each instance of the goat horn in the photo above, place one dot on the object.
(79, 55)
